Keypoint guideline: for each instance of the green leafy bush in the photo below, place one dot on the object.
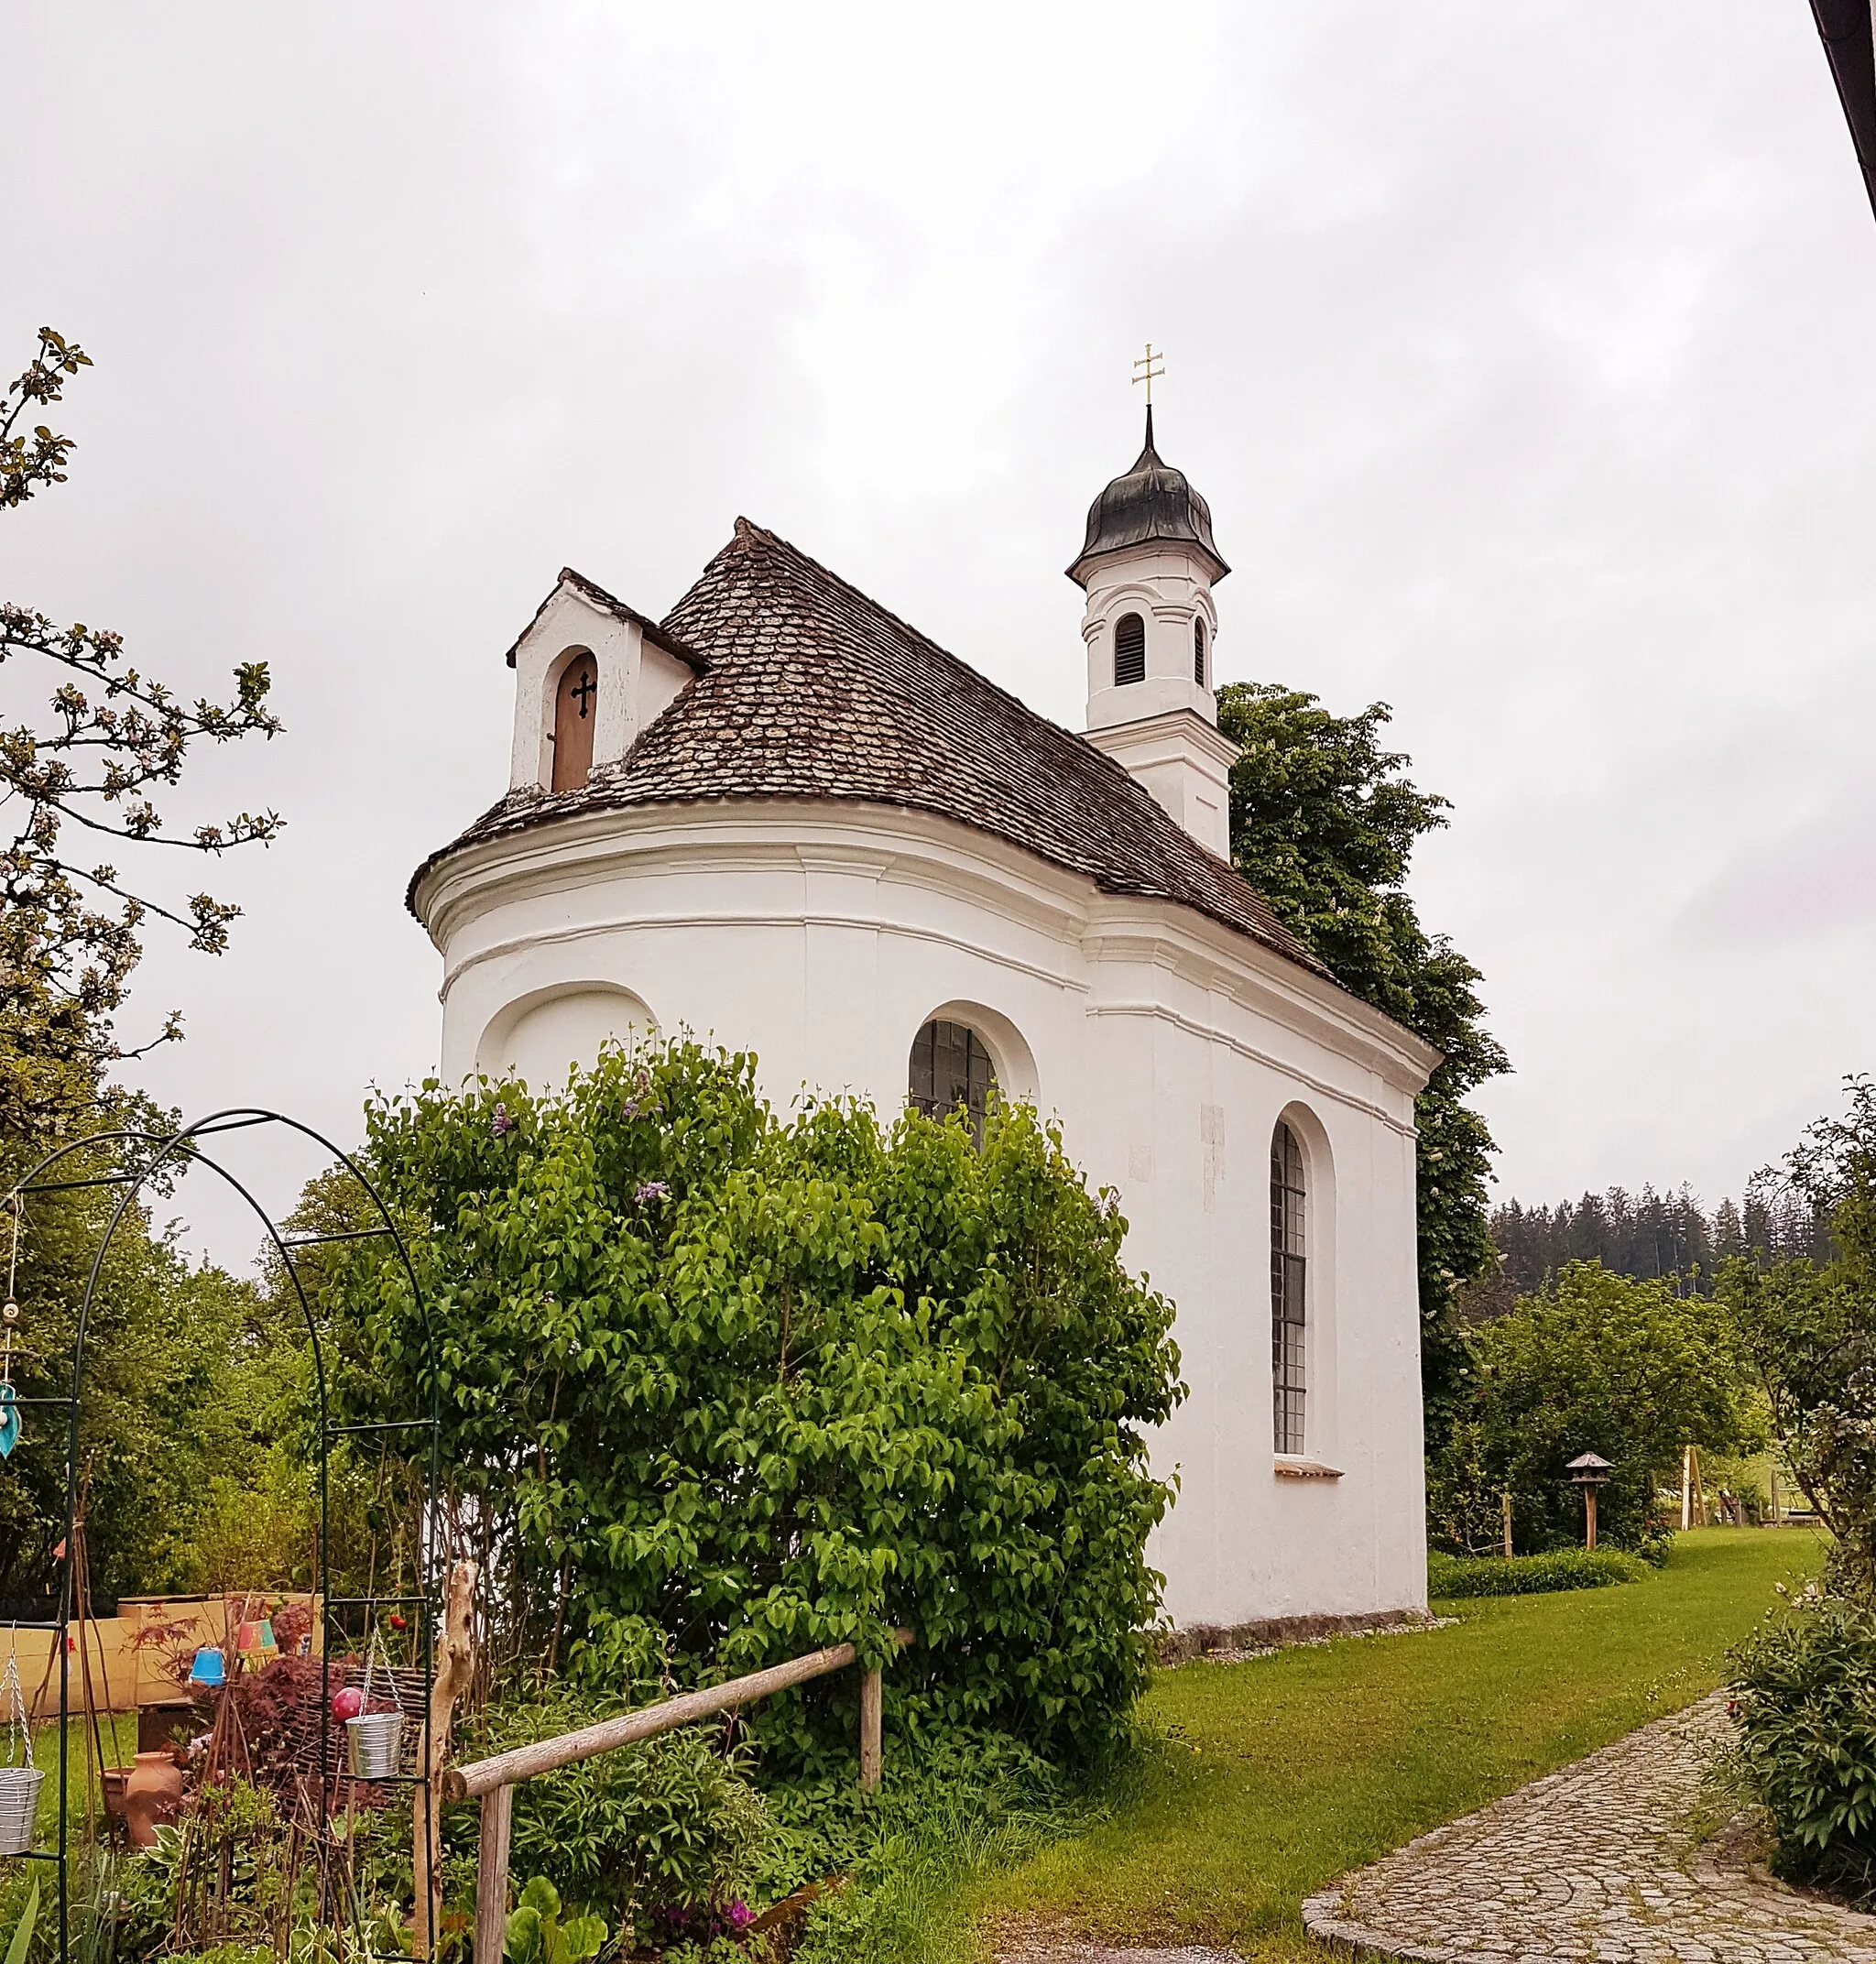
(657, 1835)
(1530, 1575)
(719, 1388)
(959, 1809)
(1805, 1702)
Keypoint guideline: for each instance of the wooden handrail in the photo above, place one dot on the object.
(494, 1780)
(523, 1762)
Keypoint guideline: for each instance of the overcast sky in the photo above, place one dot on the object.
(1524, 353)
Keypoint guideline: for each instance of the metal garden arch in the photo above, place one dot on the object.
(154, 1152)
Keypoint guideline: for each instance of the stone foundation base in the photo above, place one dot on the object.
(1273, 1633)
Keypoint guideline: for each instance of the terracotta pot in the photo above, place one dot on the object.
(152, 1797)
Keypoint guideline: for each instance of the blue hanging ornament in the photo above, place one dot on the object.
(9, 1315)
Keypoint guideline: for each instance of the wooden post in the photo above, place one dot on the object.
(455, 1664)
(1505, 1497)
(1590, 1517)
(492, 1875)
(871, 1689)
(1686, 1487)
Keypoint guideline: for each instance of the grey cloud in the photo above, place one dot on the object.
(1522, 353)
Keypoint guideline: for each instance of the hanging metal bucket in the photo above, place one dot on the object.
(373, 1742)
(19, 1806)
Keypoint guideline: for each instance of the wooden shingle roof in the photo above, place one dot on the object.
(808, 690)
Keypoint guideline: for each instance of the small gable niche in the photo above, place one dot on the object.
(590, 674)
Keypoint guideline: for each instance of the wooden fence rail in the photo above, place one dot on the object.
(494, 1780)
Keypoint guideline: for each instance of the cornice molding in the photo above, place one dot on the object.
(889, 845)
(1171, 727)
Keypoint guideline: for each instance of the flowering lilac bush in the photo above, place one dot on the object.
(719, 1388)
(663, 1840)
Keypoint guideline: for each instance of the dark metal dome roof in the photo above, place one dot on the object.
(1152, 501)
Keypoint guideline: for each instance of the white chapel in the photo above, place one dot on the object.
(781, 817)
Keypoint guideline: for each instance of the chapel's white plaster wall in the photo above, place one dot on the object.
(822, 936)
(1166, 584)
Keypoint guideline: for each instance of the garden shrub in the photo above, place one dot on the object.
(660, 1837)
(960, 1808)
(718, 1389)
(1530, 1575)
(1805, 1703)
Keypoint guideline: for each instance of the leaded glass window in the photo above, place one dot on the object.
(1130, 651)
(1288, 1288)
(950, 1069)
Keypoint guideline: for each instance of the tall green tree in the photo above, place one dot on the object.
(1809, 1328)
(113, 739)
(172, 1349)
(1628, 1368)
(1323, 822)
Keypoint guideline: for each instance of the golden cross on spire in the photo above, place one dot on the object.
(1145, 371)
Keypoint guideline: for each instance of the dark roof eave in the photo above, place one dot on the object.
(1215, 567)
(1843, 27)
(591, 590)
(522, 811)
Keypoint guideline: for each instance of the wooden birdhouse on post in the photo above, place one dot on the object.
(1589, 1471)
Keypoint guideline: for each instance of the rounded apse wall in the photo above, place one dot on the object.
(539, 1037)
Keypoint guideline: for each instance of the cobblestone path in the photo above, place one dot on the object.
(1590, 1866)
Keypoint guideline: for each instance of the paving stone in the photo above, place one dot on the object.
(1587, 1866)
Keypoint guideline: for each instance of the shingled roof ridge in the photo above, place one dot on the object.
(748, 534)
(656, 632)
(764, 610)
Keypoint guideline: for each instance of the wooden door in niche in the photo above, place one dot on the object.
(575, 709)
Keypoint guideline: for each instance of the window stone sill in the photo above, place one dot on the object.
(1298, 1468)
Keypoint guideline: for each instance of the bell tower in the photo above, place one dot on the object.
(1147, 567)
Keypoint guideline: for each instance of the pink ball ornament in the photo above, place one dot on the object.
(348, 1702)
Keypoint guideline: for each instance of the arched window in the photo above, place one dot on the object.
(1130, 651)
(1198, 653)
(950, 1068)
(575, 710)
(1288, 1287)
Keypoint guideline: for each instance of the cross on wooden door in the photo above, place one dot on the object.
(575, 720)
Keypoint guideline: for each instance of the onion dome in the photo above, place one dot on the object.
(1153, 502)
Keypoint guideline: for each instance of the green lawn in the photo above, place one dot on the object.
(119, 1737)
(1277, 1774)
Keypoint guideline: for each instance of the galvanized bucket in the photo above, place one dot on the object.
(19, 1806)
(373, 1742)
